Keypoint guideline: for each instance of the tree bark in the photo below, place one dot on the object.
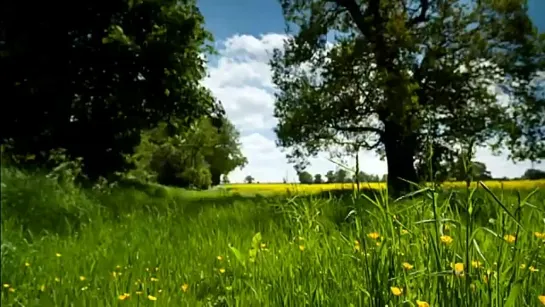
(216, 177)
(400, 150)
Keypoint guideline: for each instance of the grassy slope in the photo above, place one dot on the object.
(307, 255)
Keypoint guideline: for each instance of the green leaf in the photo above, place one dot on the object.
(238, 255)
(256, 240)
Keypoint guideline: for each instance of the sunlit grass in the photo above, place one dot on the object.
(175, 248)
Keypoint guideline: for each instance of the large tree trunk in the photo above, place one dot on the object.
(400, 150)
(216, 177)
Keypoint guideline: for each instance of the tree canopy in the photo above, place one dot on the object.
(305, 177)
(534, 174)
(90, 76)
(197, 156)
(405, 76)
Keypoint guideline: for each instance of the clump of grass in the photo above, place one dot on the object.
(178, 248)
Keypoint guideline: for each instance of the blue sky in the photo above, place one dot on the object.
(246, 31)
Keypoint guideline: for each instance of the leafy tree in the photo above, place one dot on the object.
(341, 176)
(318, 179)
(330, 176)
(175, 155)
(406, 74)
(475, 171)
(305, 177)
(364, 177)
(249, 179)
(226, 155)
(534, 174)
(91, 80)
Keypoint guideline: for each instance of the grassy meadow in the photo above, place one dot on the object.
(245, 246)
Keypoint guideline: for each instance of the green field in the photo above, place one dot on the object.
(139, 246)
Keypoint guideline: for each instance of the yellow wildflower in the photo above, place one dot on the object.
(58, 254)
(302, 247)
(124, 296)
(27, 264)
(6, 285)
(422, 303)
(373, 235)
(407, 266)
(446, 239)
(263, 245)
(357, 246)
(220, 258)
(222, 270)
(459, 268)
(476, 264)
(532, 269)
(57, 279)
(185, 287)
(522, 266)
(510, 238)
(152, 298)
(539, 235)
(541, 298)
(396, 291)
(160, 290)
(82, 278)
(154, 279)
(11, 290)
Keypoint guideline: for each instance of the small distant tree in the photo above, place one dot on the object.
(225, 179)
(330, 177)
(305, 177)
(341, 176)
(475, 171)
(249, 179)
(364, 177)
(533, 174)
(318, 178)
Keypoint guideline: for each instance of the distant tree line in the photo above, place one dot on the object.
(478, 172)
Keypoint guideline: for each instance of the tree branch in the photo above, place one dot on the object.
(357, 129)
(358, 16)
(362, 144)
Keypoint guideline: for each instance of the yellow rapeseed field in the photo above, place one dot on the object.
(316, 188)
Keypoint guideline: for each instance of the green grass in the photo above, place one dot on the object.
(275, 251)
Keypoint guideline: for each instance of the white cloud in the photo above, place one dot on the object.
(241, 79)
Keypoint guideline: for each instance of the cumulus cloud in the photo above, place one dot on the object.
(241, 78)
